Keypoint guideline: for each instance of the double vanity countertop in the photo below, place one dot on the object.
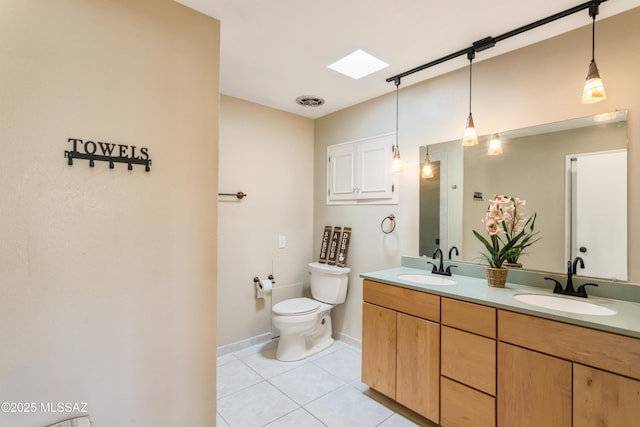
(625, 321)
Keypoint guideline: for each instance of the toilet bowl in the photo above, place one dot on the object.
(305, 323)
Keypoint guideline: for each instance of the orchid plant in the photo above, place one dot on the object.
(510, 230)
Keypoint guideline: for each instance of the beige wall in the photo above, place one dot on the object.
(538, 84)
(108, 277)
(267, 154)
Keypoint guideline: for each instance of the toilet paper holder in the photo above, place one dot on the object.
(256, 280)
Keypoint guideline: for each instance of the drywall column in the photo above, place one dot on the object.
(108, 276)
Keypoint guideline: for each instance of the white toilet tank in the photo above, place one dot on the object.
(329, 282)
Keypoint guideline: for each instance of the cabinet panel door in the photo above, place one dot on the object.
(533, 389)
(418, 366)
(379, 349)
(463, 406)
(374, 168)
(341, 176)
(604, 399)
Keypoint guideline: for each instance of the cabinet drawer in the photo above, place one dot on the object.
(604, 350)
(461, 406)
(415, 303)
(469, 317)
(469, 359)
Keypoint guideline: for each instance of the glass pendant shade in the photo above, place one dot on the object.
(427, 169)
(593, 88)
(495, 146)
(470, 137)
(396, 163)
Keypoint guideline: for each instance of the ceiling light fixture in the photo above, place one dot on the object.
(358, 64)
(470, 136)
(488, 42)
(495, 146)
(593, 88)
(396, 163)
(427, 168)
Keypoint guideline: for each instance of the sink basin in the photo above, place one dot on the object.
(426, 279)
(564, 304)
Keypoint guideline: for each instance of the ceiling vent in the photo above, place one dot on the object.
(309, 101)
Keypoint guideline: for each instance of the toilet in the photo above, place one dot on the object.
(305, 323)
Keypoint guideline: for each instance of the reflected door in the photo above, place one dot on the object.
(430, 233)
(599, 213)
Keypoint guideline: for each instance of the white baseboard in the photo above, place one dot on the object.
(239, 345)
(348, 340)
(259, 339)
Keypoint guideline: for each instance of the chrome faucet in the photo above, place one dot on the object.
(568, 289)
(440, 269)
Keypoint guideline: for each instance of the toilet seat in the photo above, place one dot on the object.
(296, 307)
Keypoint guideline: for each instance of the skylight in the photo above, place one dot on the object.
(358, 64)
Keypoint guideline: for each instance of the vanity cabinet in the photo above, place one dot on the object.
(468, 367)
(401, 346)
(465, 364)
(557, 374)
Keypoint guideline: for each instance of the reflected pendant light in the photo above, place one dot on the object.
(396, 163)
(470, 136)
(593, 88)
(495, 146)
(427, 169)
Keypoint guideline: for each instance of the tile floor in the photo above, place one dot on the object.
(255, 389)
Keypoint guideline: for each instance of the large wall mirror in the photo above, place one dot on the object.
(572, 174)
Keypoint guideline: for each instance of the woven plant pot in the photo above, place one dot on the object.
(496, 277)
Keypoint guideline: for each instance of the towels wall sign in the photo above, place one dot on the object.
(107, 152)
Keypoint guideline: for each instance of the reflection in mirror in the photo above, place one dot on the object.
(536, 165)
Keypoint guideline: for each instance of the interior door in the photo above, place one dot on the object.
(599, 196)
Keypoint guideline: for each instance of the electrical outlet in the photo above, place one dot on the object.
(282, 242)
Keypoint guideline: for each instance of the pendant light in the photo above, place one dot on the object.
(495, 146)
(427, 169)
(396, 163)
(470, 136)
(593, 88)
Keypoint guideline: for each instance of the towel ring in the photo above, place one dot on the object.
(392, 224)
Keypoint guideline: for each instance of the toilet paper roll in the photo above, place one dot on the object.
(263, 288)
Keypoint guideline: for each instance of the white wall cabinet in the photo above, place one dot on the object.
(360, 172)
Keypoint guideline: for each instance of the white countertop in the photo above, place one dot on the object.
(626, 321)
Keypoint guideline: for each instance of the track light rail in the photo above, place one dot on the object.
(489, 42)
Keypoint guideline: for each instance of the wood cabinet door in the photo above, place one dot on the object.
(533, 389)
(418, 366)
(604, 399)
(379, 349)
